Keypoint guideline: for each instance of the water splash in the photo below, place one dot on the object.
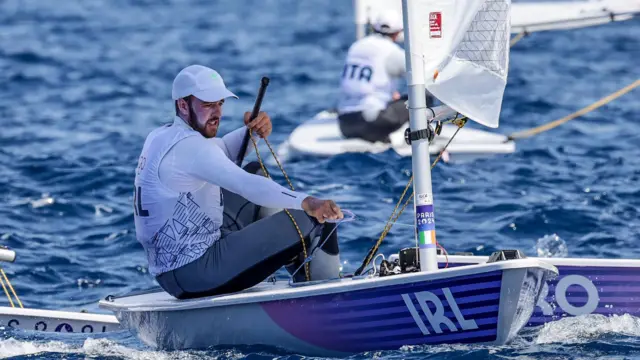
(551, 246)
(586, 328)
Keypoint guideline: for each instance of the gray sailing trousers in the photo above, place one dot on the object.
(255, 243)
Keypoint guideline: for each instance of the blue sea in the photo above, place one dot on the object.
(83, 83)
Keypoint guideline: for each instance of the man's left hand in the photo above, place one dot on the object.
(261, 124)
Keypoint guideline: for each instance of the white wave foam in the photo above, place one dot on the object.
(94, 348)
(587, 327)
(12, 347)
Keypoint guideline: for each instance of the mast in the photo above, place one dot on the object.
(423, 194)
(360, 28)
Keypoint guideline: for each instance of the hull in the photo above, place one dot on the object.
(57, 321)
(585, 286)
(486, 304)
(321, 136)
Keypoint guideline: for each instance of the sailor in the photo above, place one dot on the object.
(183, 173)
(369, 107)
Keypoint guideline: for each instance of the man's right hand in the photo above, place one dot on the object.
(321, 209)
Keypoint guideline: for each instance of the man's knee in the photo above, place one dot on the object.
(326, 262)
(169, 284)
(261, 212)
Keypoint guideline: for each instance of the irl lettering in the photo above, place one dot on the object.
(437, 318)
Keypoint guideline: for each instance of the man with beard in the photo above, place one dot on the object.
(183, 175)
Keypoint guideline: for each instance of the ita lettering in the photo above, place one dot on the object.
(437, 318)
(357, 72)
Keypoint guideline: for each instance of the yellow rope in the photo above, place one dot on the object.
(266, 173)
(394, 217)
(388, 225)
(461, 122)
(595, 105)
(10, 287)
(6, 293)
(517, 38)
(517, 135)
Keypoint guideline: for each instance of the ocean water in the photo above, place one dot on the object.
(83, 82)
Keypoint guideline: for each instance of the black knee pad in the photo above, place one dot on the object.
(330, 245)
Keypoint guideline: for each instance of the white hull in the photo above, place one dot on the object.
(563, 15)
(321, 136)
(472, 304)
(529, 16)
(57, 321)
(584, 286)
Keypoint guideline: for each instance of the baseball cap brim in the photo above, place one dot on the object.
(212, 95)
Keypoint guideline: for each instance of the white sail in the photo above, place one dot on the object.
(528, 16)
(465, 48)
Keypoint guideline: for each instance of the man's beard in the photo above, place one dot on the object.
(193, 121)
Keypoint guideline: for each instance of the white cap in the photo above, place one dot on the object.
(202, 82)
(388, 22)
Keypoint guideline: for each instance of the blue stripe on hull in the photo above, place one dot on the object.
(407, 314)
(580, 290)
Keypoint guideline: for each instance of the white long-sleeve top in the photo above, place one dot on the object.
(195, 160)
(178, 202)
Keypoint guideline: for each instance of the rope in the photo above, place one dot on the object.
(392, 219)
(446, 256)
(264, 169)
(518, 37)
(459, 123)
(387, 227)
(351, 217)
(517, 135)
(556, 123)
(6, 293)
(10, 287)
